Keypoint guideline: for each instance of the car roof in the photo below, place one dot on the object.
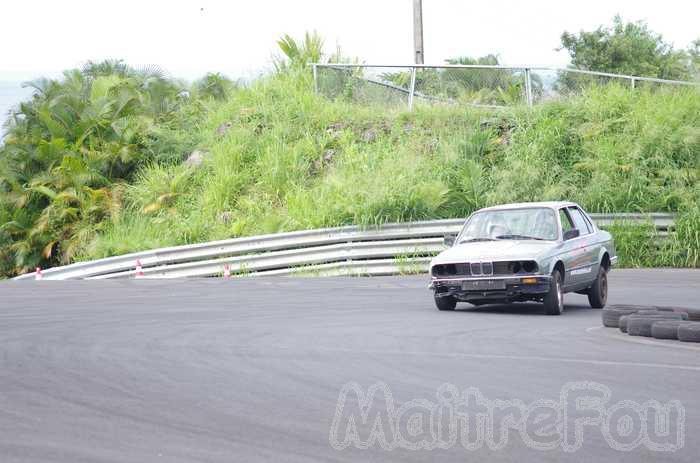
(547, 204)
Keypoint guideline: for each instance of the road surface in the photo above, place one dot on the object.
(253, 370)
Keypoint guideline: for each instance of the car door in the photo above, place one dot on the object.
(569, 250)
(585, 269)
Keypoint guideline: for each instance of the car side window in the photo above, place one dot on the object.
(579, 221)
(588, 221)
(566, 224)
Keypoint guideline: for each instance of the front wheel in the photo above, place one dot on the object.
(598, 293)
(554, 299)
(445, 302)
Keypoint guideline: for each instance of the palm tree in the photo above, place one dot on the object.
(64, 150)
(215, 86)
(297, 55)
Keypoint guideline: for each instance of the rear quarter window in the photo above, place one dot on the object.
(580, 222)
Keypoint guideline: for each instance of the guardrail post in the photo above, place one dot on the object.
(632, 83)
(315, 72)
(528, 87)
(412, 90)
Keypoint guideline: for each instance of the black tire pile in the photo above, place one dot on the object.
(675, 323)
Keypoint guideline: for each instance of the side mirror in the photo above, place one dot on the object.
(571, 234)
(449, 240)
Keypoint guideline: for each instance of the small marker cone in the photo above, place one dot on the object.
(38, 275)
(227, 271)
(139, 269)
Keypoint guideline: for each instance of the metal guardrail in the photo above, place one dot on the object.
(384, 250)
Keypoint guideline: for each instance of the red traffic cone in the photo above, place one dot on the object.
(38, 275)
(227, 271)
(139, 269)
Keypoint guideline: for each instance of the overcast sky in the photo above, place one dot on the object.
(191, 37)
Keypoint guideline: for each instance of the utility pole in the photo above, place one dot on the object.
(418, 30)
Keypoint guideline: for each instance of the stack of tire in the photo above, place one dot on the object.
(658, 322)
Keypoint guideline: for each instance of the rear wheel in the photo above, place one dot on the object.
(598, 293)
(445, 302)
(554, 300)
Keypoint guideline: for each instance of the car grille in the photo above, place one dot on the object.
(502, 268)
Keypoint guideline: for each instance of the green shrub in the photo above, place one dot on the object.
(637, 245)
(278, 157)
(684, 245)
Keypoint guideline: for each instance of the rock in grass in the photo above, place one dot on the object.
(196, 158)
(223, 128)
(335, 129)
(369, 135)
(328, 156)
(319, 164)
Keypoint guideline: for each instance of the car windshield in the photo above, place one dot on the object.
(510, 224)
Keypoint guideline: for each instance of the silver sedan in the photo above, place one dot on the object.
(524, 252)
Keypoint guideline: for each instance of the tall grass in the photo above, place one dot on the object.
(638, 245)
(293, 160)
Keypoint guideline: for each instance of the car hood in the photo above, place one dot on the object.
(494, 251)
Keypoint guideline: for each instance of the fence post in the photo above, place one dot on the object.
(632, 83)
(528, 87)
(315, 71)
(412, 90)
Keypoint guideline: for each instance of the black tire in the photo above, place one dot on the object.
(666, 329)
(598, 293)
(611, 315)
(653, 313)
(554, 299)
(631, 307)
(445, 302)
(623, 323)
(689, 332)
(640, 325)
(658, 308)
(693, 314)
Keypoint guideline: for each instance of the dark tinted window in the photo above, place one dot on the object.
(579, 221)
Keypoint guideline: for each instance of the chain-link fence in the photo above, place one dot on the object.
(477, 85)
(376, 84)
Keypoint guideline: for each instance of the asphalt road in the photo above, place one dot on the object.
(252, 370)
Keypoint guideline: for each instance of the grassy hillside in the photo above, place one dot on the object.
(292, 160)
(277, 157)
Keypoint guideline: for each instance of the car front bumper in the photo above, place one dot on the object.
(497, 288)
